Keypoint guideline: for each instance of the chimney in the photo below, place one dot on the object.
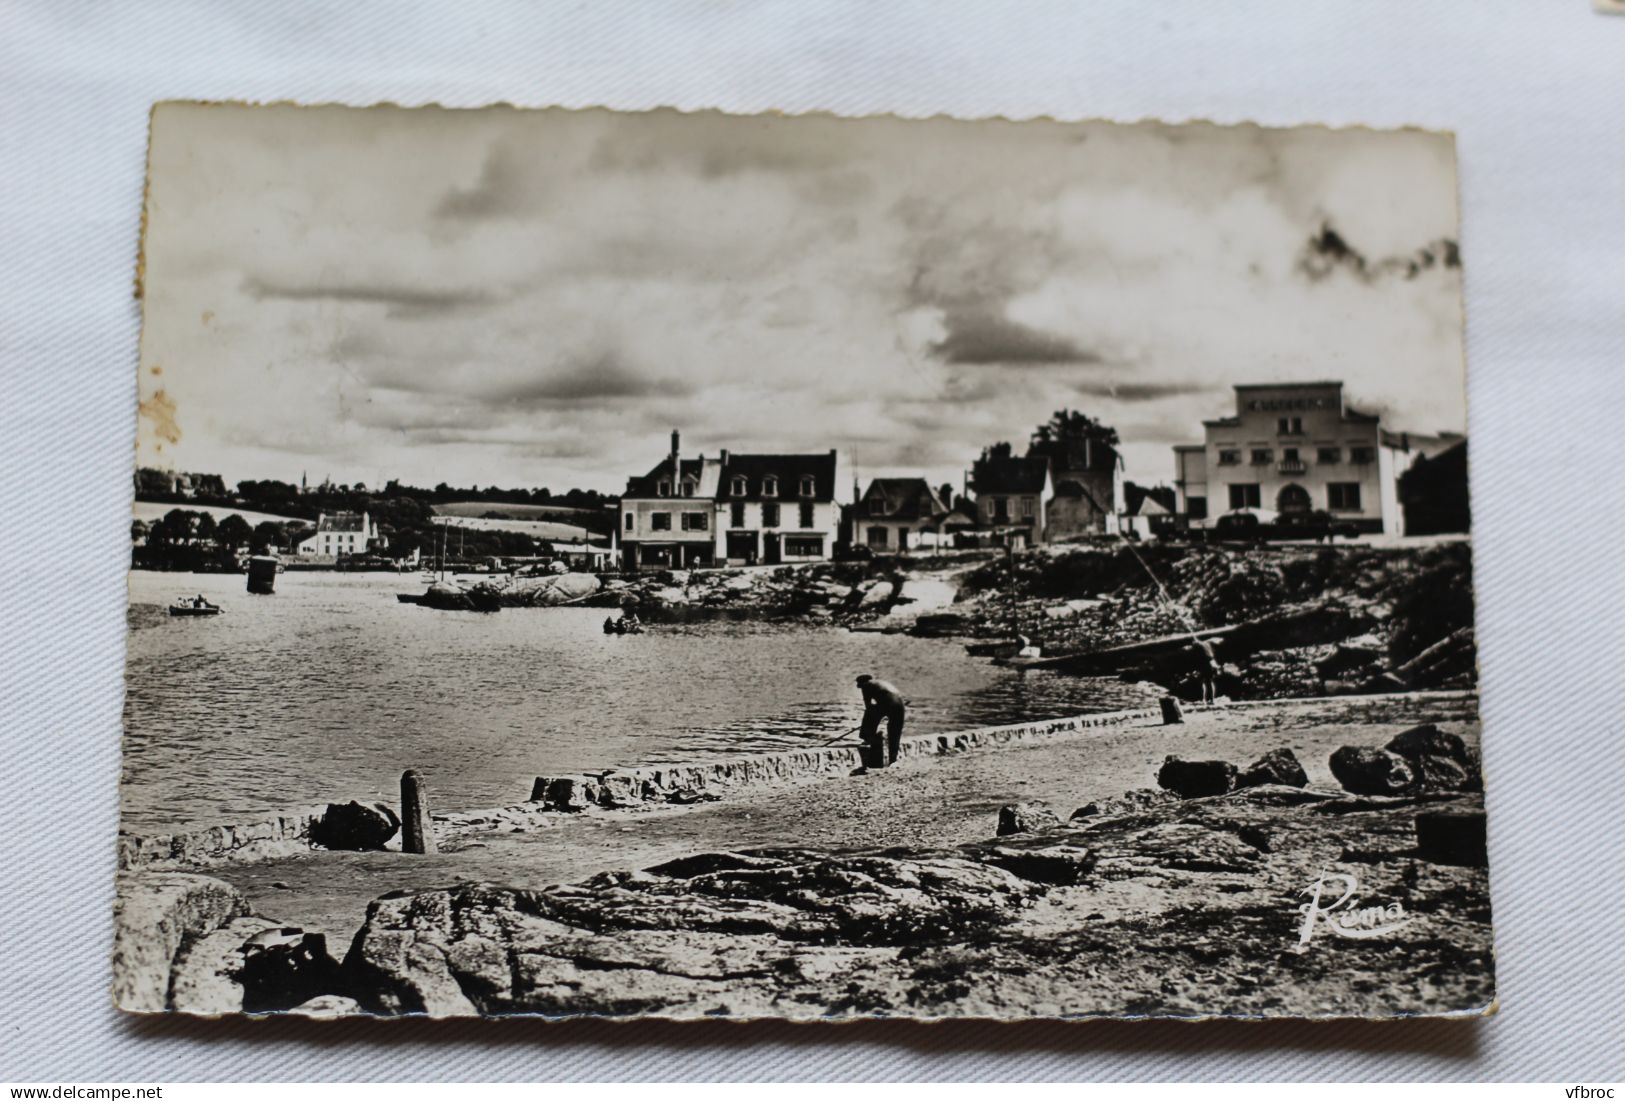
(676, 472)
(724, 456)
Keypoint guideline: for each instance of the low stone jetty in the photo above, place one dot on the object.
(648, 788)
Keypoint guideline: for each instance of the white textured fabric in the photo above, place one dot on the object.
(1532, 88)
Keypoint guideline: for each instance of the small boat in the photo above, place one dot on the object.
(191, 607)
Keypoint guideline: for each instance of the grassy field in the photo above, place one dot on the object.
(150, 511)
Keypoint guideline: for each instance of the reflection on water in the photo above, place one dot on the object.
(331, 688)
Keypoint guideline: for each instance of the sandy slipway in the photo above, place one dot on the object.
(886, 893)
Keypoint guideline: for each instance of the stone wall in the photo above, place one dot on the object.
(277, 836)
(701, 782)
(648, 786)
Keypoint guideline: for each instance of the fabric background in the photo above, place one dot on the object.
(1533, 89)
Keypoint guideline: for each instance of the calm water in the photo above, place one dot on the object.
(331, 688)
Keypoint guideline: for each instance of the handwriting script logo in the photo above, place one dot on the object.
(1342, 917)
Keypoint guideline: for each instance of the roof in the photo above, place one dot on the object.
(1287, 385)
(903, 499)
(1012, 475)
(714, 477)
(341, 521)
(787, 469)
(1150, 506)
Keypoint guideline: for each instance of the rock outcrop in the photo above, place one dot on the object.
(1196, 779)
(251, 965)
(1175, 908)
(1366, 770)
(357, 827)
(1026, 818)
(1278, 766)
(155, 915)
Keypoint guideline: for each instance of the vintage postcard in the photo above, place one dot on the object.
(692, 565)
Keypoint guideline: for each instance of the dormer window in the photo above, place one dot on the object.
(809, 486)
(663, 488)
(689, 486)
(770, 486)
(739, 488)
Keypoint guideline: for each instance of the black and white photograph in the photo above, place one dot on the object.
(685, 564)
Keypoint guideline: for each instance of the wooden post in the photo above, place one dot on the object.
(417, 830)
(1171, 712)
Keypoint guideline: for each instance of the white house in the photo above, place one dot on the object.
(340, 533)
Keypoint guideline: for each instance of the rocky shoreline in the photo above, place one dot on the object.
(1288, 620)
(1180, 900)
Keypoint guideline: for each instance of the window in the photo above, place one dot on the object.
(1289, 426)
(1361, 454)
(663, 488)
(806, 514)
(770, 486)
(689, 486)
(629, 521)
(877, 537)
(770, 514)
(1343, 496)
(1026, 508)
(803, 546)
(695, 521)
(809, 486)
(1329, 455)
(1196, 508)
(659, 521)
(1289, 454)
(1244, 495)
(987, 507)
(1229, 456)
(1262, 456)
(1001, 509)
(736, 513)
(738, 487)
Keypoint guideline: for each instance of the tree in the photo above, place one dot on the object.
(138, 531)
(1069, 426)
(233, 532)
(997, 452)
(267, 537)
(946, 492)
(206, 528)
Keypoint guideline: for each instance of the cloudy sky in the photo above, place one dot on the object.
(537, 298)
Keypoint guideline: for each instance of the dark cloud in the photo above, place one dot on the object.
(1143, 391)
(603, 378)
(981, 335)
(404, 302)
(502, 191)
(971, 273)
(1328, 251)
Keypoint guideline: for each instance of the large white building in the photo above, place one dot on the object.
(729, 509)
(339, 533)
(1295, 447)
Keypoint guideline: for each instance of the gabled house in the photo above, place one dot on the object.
(894, 513)
(1013, 495)
(733, 509)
